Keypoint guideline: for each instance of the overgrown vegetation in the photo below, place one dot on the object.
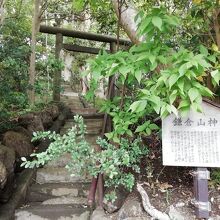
(112, 160)
(156, 78)
(170, 71)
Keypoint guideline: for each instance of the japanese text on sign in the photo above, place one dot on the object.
(194, 140)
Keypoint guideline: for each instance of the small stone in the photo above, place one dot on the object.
(121, 194)
(132, 208)
(181, 213)
(99, 214)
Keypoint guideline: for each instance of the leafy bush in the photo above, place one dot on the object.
(215, 176)
(112, 161)
(155, 77)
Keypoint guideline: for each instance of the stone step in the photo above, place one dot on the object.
(88, 121)
(90, 131)
(83, 111)
(91, 138)
(65, 200)
(58, 175)
(65, 159)
(59, 162)
(53, 212)
(93, 126)
(42, 192)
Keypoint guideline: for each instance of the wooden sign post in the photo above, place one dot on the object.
(194, 141)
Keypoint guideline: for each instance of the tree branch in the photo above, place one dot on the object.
(151, 210)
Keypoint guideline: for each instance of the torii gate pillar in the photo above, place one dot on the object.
(57, 74)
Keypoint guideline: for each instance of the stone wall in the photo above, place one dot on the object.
(16, 143)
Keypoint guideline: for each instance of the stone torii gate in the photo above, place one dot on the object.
(107, 125)
(60, 32)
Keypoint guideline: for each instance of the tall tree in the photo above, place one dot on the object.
(38, 10)
(126, 14)
(2, 2)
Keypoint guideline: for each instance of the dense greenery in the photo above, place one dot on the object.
(111, 160)
(156, 77)
(170, 71)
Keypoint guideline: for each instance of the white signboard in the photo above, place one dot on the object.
(194, 140)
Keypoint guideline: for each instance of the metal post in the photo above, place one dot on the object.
(201, 200)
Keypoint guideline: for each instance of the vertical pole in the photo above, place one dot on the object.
(111, 89)
(113, 49)
(202, 205)
(107, 125)
(57, 75)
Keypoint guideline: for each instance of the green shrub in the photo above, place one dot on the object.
(215, 176)
(112, 161)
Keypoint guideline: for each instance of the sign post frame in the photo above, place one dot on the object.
(194, 141)
(201, 197)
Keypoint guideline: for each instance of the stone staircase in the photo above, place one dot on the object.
(56, 195)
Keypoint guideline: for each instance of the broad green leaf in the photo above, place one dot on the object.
(153, 66)
(155, 99)
(174, 110)
(164, 112)
(144, 24)
(153, 127)
(148, 131)
(193, 94)
(145, 91)
(138, 106)
(129, 132)
(200, 59)
(203, 50)
(142, 127)
(138, 75)
(180, 84)
(173, 96)
(142, 56)
(184, 111)
(184, 68)
(183, 104)
(157, 22)
(162, 59)
(152, 58)
(196, 107)
(216, 76)
(116, 139)
(124, 70)
(206, 92)
(172, 80)
(212, 58)
(109, 135)
(172, 20)
(156, 107)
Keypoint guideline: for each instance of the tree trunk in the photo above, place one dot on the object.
(2, 10)
(35, 29)
(217, 26)
(127, 20)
